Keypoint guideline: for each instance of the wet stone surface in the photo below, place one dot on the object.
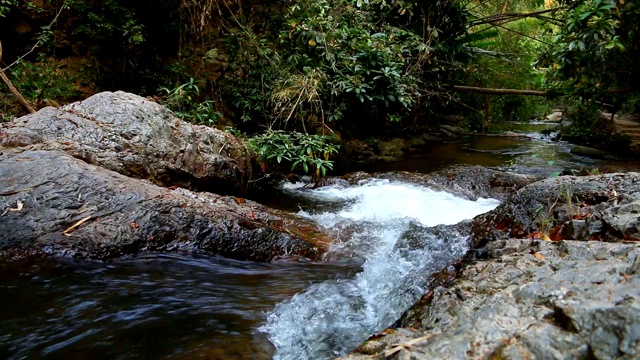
(84, 211)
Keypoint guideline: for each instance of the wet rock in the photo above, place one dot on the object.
(392, 149)
(608, 204)
(451, 130)
(416, 143)
(55, 204)
(137, 138)
(555, 117)
(470, 182)
(527, 300)
(356, 177)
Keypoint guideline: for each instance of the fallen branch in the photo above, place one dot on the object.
(480, 90)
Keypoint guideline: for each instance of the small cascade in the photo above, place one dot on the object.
(391, 228)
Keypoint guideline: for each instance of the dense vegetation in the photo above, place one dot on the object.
(361, 67)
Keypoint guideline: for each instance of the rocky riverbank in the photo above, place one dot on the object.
(554, 274)
(113, 175)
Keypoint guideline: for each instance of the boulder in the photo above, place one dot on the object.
(416, 143)
(53, 203)
(137, 138)
(555, 117)
(526, 299)
(607, 203)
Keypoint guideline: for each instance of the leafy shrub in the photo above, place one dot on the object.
(183, 101)
(46, 80)
(590, 128)
(309, 152)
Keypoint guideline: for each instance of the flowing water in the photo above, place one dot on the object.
(156, 306)
(186, 306)
(388, 226)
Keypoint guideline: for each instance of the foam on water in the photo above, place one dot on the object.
(390, 222)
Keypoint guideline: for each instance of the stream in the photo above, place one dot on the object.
(185, 306)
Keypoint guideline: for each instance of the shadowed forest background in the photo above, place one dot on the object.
(286, 72)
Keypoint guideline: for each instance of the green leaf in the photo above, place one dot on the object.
(585, 15)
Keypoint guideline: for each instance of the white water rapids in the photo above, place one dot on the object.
(386, 224)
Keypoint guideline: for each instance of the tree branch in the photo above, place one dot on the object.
(508, 17)
(37, 44)
(480, 90)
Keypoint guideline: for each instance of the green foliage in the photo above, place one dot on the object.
(336, 59)
(502, 57)
(109, 19)
(309, 152)
(45, 80)
(6, 6)
(595, 50)
(183, 100)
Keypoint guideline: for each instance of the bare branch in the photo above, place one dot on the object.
(480, 90)
(509, 17)
(13, 89)
(39, 42)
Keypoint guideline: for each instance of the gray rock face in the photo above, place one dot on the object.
(527, 299)
(137, 138)
(44, 194)
(600, 207)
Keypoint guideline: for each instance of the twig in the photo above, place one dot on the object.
(13, 89)
(37, 44)
(74, 226)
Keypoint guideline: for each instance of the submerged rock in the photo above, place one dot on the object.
(137, 138)
(527, 300)
(55, 204)
(393, 148)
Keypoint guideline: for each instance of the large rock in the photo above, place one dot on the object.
(43, 194)
(137, 138)
(527, 300)
(600, 207)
